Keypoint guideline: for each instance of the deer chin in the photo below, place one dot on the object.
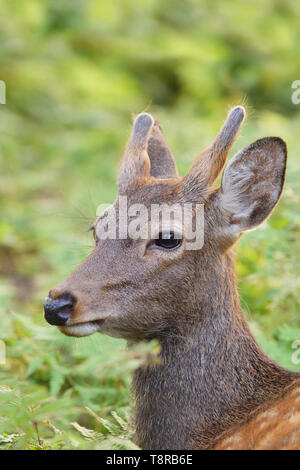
(82, 329)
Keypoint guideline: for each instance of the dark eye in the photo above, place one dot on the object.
(168, 240)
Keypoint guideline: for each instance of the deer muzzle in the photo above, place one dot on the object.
(58, 311)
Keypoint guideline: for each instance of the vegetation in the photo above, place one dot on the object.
(75, 72)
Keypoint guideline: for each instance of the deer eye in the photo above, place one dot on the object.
(168, 240)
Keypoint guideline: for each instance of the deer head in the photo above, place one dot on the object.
(145, 287)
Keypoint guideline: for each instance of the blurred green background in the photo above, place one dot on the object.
(76, 71)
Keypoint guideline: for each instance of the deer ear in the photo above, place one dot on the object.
(208, 165)
(162, 161)
(135, 165)
(252, 183)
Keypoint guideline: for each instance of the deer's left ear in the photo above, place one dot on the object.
(252, 183)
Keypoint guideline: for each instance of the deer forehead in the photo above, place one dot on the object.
(159, 205)
(154, 191)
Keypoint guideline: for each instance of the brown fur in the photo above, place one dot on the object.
(212, 377)
(274, 425)
(161, 158)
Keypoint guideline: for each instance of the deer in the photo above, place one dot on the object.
(213, 387)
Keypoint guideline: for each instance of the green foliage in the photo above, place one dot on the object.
(75, 70)
(53, 387)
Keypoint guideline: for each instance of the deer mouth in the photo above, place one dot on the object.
(82, 329)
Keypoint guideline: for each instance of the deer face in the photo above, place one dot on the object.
(139, 287)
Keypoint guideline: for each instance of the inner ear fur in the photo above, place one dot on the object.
(252, 183)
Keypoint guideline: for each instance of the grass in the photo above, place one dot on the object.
(75, 72)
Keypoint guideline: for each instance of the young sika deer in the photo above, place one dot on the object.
(213, 387)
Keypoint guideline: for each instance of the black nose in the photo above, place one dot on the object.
(59, 310)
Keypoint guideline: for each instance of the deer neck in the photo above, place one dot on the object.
(209, 378)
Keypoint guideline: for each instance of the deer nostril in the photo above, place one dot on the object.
(58, 311)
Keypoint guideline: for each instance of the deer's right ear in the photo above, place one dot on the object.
(252, 183)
